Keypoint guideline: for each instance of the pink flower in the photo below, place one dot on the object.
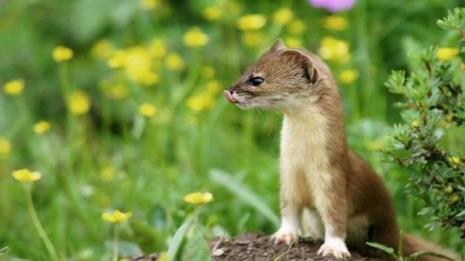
(333, 5)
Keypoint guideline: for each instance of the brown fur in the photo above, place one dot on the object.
(412, 244)
(318, 170)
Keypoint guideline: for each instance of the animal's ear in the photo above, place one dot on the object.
(309, 70)
(278, 46)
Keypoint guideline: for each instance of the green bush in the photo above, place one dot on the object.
(433, 121)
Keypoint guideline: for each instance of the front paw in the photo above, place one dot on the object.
(335, 247)
(285, 235)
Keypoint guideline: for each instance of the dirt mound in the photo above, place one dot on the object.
(259, 247)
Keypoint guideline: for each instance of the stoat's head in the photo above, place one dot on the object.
(282, 79)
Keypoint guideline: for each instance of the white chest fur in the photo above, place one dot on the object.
(304, 160)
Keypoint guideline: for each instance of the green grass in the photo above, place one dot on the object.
(157, 160)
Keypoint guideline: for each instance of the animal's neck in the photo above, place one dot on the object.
(321, 118)
(309, 117)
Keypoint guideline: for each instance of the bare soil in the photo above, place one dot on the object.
(259, 247)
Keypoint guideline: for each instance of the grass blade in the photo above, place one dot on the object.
(244, 194)
(383, 248)
(176, 241)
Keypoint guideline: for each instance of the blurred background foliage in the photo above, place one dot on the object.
(128, 114)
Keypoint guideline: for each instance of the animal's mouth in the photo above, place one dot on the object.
(230, 97)
(238, 100)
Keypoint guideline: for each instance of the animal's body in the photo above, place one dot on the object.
(339, 196)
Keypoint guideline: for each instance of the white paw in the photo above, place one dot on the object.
(285, 235)
(335, 247)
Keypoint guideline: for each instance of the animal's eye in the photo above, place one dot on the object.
(255, 81)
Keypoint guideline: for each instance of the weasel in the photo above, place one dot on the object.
(324, 184)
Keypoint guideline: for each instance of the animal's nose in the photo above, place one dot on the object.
(230, 96)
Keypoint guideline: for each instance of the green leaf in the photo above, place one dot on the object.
(176, 241)
(461, 213)
(396, 82)
(383, 248)
(196, 248)
(454, 20)
(4, 251)
(244, 194)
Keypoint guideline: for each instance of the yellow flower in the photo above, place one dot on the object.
(296, 27)
(454, 198)
(448, 189)
(14, 87)
(117, 60)
(415, 124)
(174, 62)
(208, 72)
(138, 66)
(283, 16)
(348, 76)
(116, 216)
(157, 48)
(41, 127)
(198, 198)
(251, 22)
(334, 50)
(146, 77)
(147, 109)
(78, 102)
(62, 53)
(102, 49)
(148, 4)
(107, 174)
(446, 53)
(252, 38)
(137, 62)
(26, 176)
(212, 12)
(293, 42)
(5, 146)
(200, 102)
(455, 160)
(195, 37)
(335, 23)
